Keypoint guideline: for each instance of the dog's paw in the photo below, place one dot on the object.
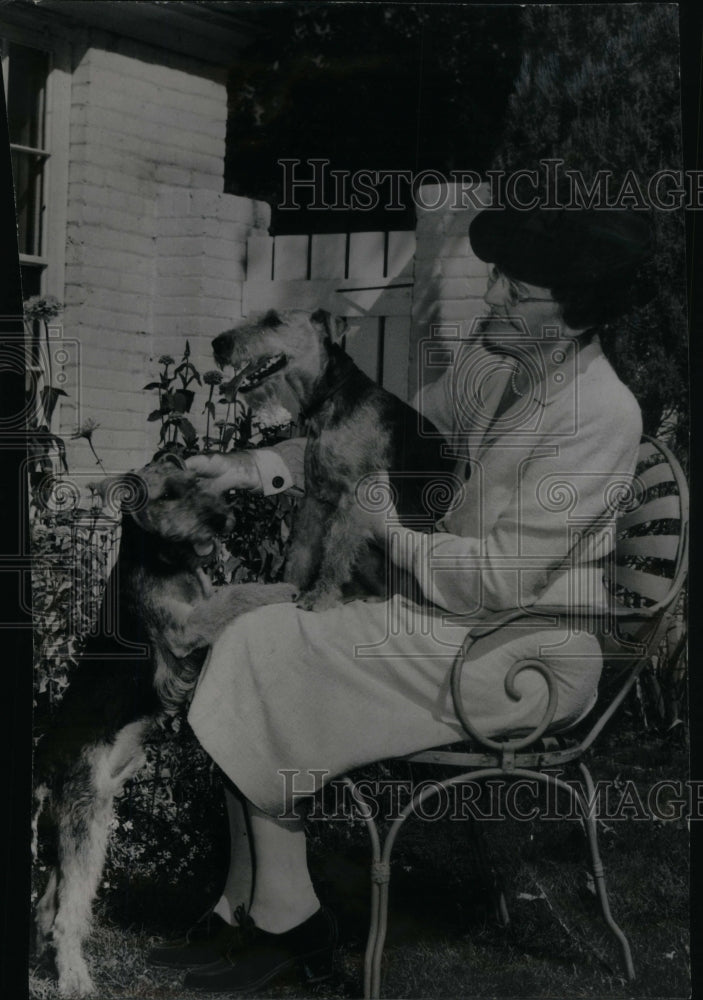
(76, 982)
(319, 599)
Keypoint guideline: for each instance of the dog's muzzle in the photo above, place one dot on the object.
(262, 370)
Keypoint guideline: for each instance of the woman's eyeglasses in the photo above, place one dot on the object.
(516, 290)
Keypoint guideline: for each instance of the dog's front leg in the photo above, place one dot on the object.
(187, 627)
(306, 550)
(341, 548)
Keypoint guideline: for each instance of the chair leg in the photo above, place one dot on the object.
(599, 875)
(380, 875)
(380, 883)
(494, 884)
(381, 869)
(371, 975)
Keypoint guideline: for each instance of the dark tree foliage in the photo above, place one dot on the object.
(370, 87)
(599, 87)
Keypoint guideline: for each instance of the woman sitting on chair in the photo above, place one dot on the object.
(551, 433)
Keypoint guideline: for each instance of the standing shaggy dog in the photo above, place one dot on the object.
(140, 666)
(355, 429)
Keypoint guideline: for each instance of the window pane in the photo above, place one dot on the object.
(27, 171)
(27, 80)
(31, 281)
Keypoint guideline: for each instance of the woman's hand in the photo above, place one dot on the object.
(236, 470)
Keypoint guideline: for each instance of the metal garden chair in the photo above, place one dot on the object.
(645, 575)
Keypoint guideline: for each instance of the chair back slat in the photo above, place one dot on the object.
(656, 546)
(650, 548)
(650, 565)
(657, 474)
(644, 585)
(648, 449)
(661, 508)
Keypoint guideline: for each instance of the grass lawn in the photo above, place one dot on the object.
(443, 940)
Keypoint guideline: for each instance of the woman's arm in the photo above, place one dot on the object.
(556, 515)
(269, 470)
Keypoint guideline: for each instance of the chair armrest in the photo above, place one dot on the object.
(499, 619)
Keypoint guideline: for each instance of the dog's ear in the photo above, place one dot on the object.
(332, 327)
(170, 458)
(271, 320)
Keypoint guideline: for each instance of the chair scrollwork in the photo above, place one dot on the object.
(525, 663)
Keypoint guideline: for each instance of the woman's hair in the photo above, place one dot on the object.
(589, 305)
(588, 257)
(593, 305)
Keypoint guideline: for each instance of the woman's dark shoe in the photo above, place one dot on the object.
(207, 940)
(258, 957)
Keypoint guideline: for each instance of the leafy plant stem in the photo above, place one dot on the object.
(207, 421)
(97, 457)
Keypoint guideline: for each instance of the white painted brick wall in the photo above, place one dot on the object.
(155, 250)
(201, 253)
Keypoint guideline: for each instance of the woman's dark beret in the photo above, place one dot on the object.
(557, 247)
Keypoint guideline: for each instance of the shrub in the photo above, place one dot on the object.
(599, 89)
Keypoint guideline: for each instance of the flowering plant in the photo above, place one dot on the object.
(46, 451)
(175, 402)
(41, 307)
(85, 431)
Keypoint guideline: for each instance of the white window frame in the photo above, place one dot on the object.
(56, 144)
(57, 105)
